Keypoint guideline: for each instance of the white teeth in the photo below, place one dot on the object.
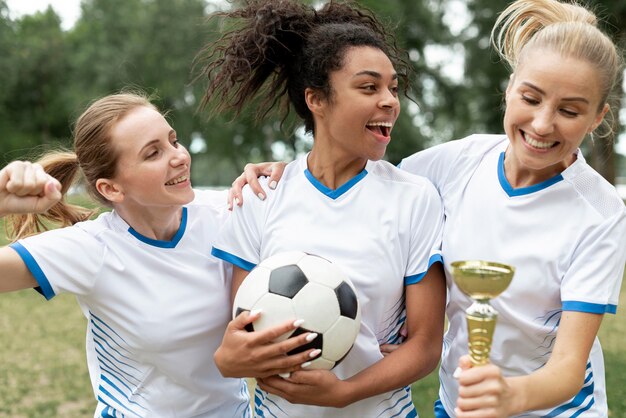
(386, 124)
(176, 181)
(538, 144)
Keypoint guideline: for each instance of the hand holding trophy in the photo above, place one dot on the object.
(481, 281)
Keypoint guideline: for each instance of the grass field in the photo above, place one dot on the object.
(43, 372)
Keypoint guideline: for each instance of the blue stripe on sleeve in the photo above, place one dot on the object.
(416, 278)
(232, 259)
(596, 308)
(44, 285)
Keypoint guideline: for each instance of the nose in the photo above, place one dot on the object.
(543, 121)
(389, 100)
(180, 156)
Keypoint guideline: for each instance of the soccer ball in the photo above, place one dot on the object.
(296, 285)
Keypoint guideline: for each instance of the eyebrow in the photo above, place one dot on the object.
(565, 99)
(375, 74)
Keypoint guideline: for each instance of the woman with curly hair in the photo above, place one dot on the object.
(338, 68)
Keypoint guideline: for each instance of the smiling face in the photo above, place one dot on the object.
(153, 168)
(356, 121)
(552, 102)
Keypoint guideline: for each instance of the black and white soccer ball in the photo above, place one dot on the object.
(296, 285)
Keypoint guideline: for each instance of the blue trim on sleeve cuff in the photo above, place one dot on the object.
(416, 278)
(596, 308)
(44, 285)
(232, 259)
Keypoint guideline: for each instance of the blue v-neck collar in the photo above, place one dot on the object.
(522, 190)
(164, 244)
(334, 193)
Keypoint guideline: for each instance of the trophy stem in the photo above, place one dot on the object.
(481, 323)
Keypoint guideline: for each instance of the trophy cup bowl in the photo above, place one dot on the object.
(481, 281)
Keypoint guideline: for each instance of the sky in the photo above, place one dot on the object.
(68, 10)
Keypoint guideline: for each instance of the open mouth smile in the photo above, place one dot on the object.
(542, 145)
(380, 128)
(177, 180)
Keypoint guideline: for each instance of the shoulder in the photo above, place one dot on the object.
(215, 198)
(476, 144)
(401, 180)
(595, 190)
(292, 171)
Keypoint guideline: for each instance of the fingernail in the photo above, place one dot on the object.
(315, 353)
(298, 322)
(255, 312)
(236, 201)
(285, 375)
(305, 364)
(311, 336)
(457, 373)
(261, 196)
(273, 184)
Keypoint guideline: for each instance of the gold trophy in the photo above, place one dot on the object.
(481, 281)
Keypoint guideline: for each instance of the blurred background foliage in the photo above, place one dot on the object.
(48, 75)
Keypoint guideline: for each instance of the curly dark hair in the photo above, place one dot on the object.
(278, 48)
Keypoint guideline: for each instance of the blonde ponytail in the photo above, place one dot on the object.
(63, 166)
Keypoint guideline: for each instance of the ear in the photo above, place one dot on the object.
(599, 117)
(314, 101)
(110, 190)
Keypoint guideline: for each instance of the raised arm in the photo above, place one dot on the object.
(24, 188)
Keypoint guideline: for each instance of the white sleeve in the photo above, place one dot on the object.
(239, 241)
(426, 233)
(592, 282)
(435, 163)
(62, 260)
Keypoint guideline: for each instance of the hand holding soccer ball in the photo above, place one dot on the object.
(299, 286)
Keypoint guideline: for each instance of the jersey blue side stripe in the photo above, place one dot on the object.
(232, 259)
(596, 308)
(578, 400)
(104, 362)
(439, 410)
(406, 396)
(100, 339)
(100, 321)
(114, 399)
(44, 285)
(121, 392)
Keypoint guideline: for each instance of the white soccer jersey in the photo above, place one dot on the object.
(566, 238)
(156, 311)
(383, 228)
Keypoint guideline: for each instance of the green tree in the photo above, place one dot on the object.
(34, 106)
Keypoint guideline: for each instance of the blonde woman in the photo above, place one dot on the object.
(529, 199)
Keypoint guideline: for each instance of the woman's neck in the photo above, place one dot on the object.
(159, 224)
(519, 175)
(332, 167)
